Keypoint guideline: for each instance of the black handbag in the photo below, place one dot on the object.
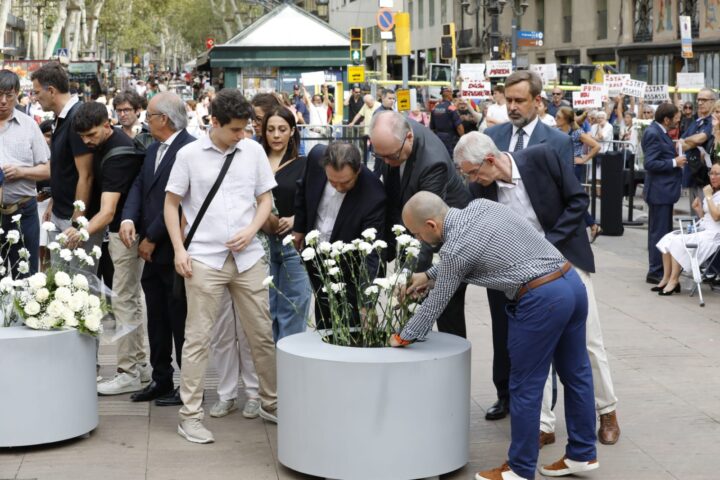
(179, 280)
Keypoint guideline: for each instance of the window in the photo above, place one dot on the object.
(540, 15)
(567, 20)
(443, 11)
(421, 14)
(431, 14)
(643, 21)
(601, 22)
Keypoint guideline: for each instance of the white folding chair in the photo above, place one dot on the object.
(691, 249)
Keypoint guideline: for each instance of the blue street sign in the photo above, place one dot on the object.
(530, 35)
(62, 52)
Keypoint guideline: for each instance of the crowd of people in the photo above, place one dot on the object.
(197, 203)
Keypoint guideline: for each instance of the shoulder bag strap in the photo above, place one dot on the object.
(209, 198)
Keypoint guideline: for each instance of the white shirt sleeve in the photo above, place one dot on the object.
(179, 181)
(264, 178)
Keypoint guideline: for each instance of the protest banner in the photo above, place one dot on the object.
(583, 100)
(472, 71)
(615, 83)
(477, 90)
(656, 93)
(597, 88)
(634, 88)
(691, 80)
(313, 78)
(547, 71)
(498, 68)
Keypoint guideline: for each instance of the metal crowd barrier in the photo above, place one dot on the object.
(630, 170)
(311, 135)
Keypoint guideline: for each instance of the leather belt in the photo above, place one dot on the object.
(550, 277)
(14, 207)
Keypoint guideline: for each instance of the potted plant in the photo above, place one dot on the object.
(349, 406)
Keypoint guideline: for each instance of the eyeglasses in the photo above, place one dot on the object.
(150, 115)
(9, 96)
(714, 174)
(123, 111)
(396, 156)
(557, 94)
(471, 173)
(687, 108)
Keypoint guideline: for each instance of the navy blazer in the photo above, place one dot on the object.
(662, 179)
(557, 198)
(501, 135)
(146, 199)
(363, 207)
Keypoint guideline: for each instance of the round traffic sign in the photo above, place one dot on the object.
(385, 19)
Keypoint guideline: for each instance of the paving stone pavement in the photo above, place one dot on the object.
(663, 353)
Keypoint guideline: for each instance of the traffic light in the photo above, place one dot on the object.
(356, 45)
(447, 42)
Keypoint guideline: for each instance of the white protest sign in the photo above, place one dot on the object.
(634, 88)
(614, 83)
(691, 80)
(587, 100)
(478, 90)
(656, 93)
(547, 71)
(596, 88)
(498, 68)
(312, 78)
(472, 71)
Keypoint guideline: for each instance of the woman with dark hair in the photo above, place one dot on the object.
(263, 103)
(565, 119)
(290, 299)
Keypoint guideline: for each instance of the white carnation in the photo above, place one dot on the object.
(32, 322)
(93, 302)
(16, 218)
(312, 236)
(84, 234)
(76, 303)
(53, 246)
(23, 267)
(308, 254)
(334, 271)
(80, 282)
(365, 248)
(66, 255)
(348, 247)
(383, 283)
(62, 238)
(48, 226)
(415, 243)
(337, 287)
(79, 205)
(398, 229)
(330, 263)
(92, 320)
(13, 237)
(324, 247)
(96, 252)
(42, 294)
(24, 253)
(37, 281)
(397, 279)
(46, 321)
(380, 244)
(288, 240)
(371, 290)
(3, 270)
(403, 240)
(32, 308)
(62, 279)
(63, 294)
(412, 252)
(7, 284)
(369, 234)
(55, 309)
(69, 318)
(268, 282)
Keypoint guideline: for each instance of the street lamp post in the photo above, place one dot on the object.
(495, 8)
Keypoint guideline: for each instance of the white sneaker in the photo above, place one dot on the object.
(145, 372)
(270, 416)
(194, 431)
(121, 383)
(223, 407)
(252, 408)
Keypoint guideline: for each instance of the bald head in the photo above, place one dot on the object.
(424, 206)
(369, 100)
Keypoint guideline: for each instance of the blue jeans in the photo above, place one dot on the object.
(30, 231)
(290, 299)
(548, 325)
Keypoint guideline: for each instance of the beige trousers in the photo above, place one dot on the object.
(127, 304)
(605, 399)
(205, 291)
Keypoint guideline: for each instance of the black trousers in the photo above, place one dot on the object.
(166, 321)
(452, 319)
(501, 356)
(659, 224)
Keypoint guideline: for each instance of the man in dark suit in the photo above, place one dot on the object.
(663, 178)
(339, 197)
(416, 160)
(540, 187)
(143, 216)
(522, 93)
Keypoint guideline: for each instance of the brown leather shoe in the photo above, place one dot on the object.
(503, 472)
(565, 466)
(546, 438)
(609, 431)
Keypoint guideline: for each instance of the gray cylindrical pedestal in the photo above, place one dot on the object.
(48, 389)
(380, 413)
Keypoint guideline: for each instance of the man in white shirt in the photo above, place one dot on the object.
(224, 253)
(497, 113)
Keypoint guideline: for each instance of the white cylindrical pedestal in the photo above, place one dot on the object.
(48, 386)
(380, 413)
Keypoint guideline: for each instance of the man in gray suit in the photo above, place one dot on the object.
(522, 93)
(415, 159)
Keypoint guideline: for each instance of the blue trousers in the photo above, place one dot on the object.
(659, 225)
(290, 299)
(30, 231)
(548, 325)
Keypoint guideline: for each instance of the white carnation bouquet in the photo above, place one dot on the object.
(7, 284)
(341, 265)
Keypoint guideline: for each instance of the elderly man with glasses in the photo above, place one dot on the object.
(698, 134)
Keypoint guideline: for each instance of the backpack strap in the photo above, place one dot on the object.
(118, 151)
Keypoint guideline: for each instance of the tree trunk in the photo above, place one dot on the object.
(93, 23)
(57, 28)
(4, 11)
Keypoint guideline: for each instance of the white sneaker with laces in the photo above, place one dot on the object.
(121, 383)
(223, 407)
(270, 416)
(145, 372)
(194, 431)
(252, 408)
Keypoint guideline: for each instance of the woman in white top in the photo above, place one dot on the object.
(627, 131)
(545, 117)
(707, 238)
(602, 131)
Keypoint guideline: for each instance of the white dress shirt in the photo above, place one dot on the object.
(196, 168)
(528, 129)
(514, 196)
(328, 210)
